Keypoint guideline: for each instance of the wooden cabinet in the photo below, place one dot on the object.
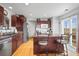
(1, 15)
(17, 21)
(52, 45)
(14, 44)
(45, 25)
(13, 20)
(16, 41)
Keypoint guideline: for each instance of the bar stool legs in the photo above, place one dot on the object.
(65, 53)
(65, 50)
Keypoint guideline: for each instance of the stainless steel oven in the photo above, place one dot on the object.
(6, 47)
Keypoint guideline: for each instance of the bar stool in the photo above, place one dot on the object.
(64, 41)
(44, 44)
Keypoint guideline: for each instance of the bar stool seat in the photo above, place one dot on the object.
(62, 41)
(43, 44)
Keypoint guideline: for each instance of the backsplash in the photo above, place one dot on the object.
(7, 31)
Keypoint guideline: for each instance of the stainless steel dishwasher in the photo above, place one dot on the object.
(6, 47)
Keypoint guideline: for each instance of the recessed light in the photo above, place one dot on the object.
(30, 14)
(66, 9)
(10, 7)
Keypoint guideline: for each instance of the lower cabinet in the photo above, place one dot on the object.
(51, 47)
(17, 40)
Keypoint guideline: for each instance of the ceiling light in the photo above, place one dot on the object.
(26, 4)
(10, 7)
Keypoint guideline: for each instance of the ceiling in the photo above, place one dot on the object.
(38, 10)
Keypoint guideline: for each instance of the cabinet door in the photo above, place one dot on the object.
(1, 19)
(14, 44)
(1, 15)
(13, 20)
(20, 22)
(19, 39)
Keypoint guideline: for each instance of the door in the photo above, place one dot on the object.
(70, 27)
(74, 26)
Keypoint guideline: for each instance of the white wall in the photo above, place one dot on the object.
(31, 27)
(55, 25)
(71, 13)
(77, 33)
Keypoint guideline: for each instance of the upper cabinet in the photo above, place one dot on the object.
(4, 20)
(17, 21)
(43, 26)
(1, 15)
(13, 20)
(20, 20)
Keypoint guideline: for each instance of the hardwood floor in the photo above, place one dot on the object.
(26, 49)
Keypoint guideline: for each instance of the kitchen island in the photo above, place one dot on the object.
(52, 45)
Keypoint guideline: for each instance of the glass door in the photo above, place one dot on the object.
(66, 26)
(70, 25)
(74, 26)
(67, 29)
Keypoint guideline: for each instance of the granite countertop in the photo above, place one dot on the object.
(47, 36)
(5, 37)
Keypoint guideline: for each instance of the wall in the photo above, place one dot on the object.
(25, 30)
(31, 27)
(78, 33)
(55, 26)
(71, 13)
